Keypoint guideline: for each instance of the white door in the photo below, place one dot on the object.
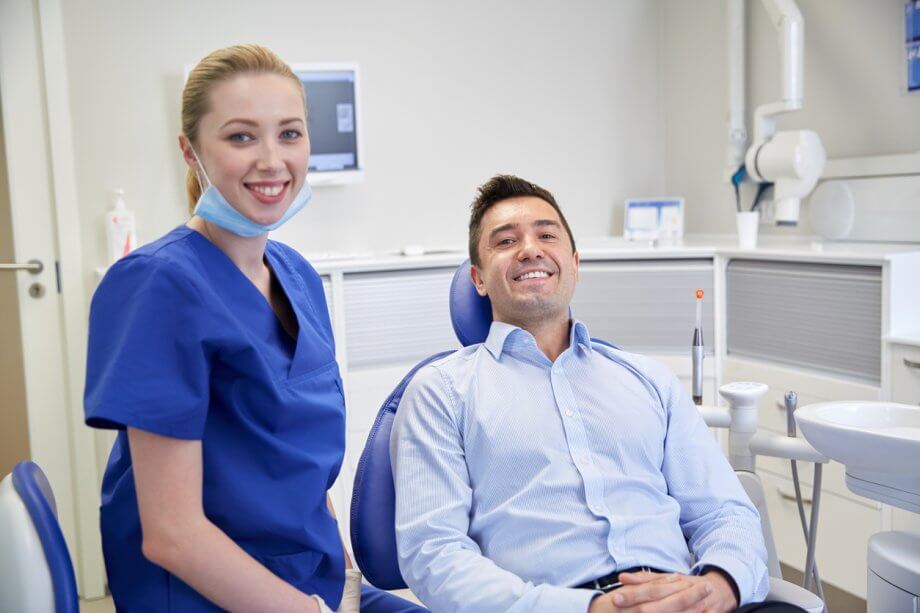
(38, 208)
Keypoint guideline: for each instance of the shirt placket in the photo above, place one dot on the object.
(580, 452)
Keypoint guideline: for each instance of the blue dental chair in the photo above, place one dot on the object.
(373, 535)
(36, 574)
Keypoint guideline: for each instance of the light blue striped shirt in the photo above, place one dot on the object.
(517, 476)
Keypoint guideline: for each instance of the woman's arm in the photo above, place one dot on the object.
(348, 564)
(180, 538)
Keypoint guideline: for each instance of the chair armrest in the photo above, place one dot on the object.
(790, 593)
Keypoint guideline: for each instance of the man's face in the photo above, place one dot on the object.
(527, 266)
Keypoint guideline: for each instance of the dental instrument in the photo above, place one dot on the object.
(745, 442)
(790, 401)
(697, 351)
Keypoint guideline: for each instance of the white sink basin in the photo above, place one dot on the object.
(879, 442)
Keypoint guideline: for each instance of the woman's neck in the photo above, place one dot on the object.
(248, 253)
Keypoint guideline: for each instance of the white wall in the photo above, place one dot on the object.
(855, 96)
(565, 94)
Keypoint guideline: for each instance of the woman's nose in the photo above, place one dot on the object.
(269, 159)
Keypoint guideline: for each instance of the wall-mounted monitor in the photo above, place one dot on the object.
(334, 122)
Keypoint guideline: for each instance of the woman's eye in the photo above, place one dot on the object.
(240, 137)
(291, 134)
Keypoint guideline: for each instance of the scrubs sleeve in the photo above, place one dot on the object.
(147, 364)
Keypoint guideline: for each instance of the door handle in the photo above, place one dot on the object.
(33, 266)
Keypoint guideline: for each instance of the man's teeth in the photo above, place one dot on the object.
(267, 190)
(533, 275)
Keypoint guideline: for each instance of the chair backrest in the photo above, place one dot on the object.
(470, 313)
(36, 573)
(373, 538)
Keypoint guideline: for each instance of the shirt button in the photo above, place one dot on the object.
(568, 413)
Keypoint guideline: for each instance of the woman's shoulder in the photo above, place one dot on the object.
(168, 263)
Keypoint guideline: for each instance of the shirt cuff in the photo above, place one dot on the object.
(738, 573)
(731, 580)
(554, 598)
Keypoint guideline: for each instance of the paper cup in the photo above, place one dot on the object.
(747, 229)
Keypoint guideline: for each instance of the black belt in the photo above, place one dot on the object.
(610, 582)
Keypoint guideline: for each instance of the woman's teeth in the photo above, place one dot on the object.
(267, 190)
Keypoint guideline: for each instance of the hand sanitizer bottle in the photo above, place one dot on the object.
(120, 229)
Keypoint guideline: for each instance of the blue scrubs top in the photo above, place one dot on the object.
(182, 344)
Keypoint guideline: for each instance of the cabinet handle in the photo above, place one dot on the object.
(780, 405)
(911, 364)
(786, 496)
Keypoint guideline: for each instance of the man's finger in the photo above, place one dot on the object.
(690, 599)
(645, 577)
(652, 591)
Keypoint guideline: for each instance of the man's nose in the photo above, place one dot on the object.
(530, 248)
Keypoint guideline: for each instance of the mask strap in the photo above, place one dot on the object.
(201, 167)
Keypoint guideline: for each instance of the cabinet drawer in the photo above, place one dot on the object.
(905, 374)
(844, 528)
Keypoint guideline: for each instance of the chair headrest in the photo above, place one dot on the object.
(470, 313)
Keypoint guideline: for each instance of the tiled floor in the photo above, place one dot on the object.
(102, 605)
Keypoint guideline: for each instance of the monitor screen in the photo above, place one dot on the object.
(333, 122)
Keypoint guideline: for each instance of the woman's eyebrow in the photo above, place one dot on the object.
(253, 123)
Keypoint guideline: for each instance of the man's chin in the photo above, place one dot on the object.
(538, 309)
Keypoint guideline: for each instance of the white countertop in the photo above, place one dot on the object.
(804, 249)
(905, 339)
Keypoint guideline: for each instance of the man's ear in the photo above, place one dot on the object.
(477, 281)
(577, 263)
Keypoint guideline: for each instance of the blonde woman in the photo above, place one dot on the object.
(210, 349)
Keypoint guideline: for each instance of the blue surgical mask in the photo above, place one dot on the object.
(213, 207)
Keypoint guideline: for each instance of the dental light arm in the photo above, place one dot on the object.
(792, 160)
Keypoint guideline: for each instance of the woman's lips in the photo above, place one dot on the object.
(268, 193)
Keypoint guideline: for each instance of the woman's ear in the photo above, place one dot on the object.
(187, 154)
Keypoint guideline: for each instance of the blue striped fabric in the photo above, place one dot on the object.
(517, 476)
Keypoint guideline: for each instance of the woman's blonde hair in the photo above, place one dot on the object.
(217, 67)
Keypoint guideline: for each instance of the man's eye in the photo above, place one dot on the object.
(506, 241)
(240, 137)
(547, 235)
(291, 134)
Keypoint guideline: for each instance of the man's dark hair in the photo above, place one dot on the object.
(503, 187)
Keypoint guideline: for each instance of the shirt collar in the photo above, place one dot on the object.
(500, 333)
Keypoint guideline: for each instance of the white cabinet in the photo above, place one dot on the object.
(816, 329)
(905, 373)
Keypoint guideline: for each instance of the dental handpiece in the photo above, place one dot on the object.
(696, 351)
(791, 400)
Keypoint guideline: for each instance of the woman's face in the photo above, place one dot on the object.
(253, 144)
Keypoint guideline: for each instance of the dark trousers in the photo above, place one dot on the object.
(770, 606)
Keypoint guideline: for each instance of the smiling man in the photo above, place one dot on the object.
(540, 470)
